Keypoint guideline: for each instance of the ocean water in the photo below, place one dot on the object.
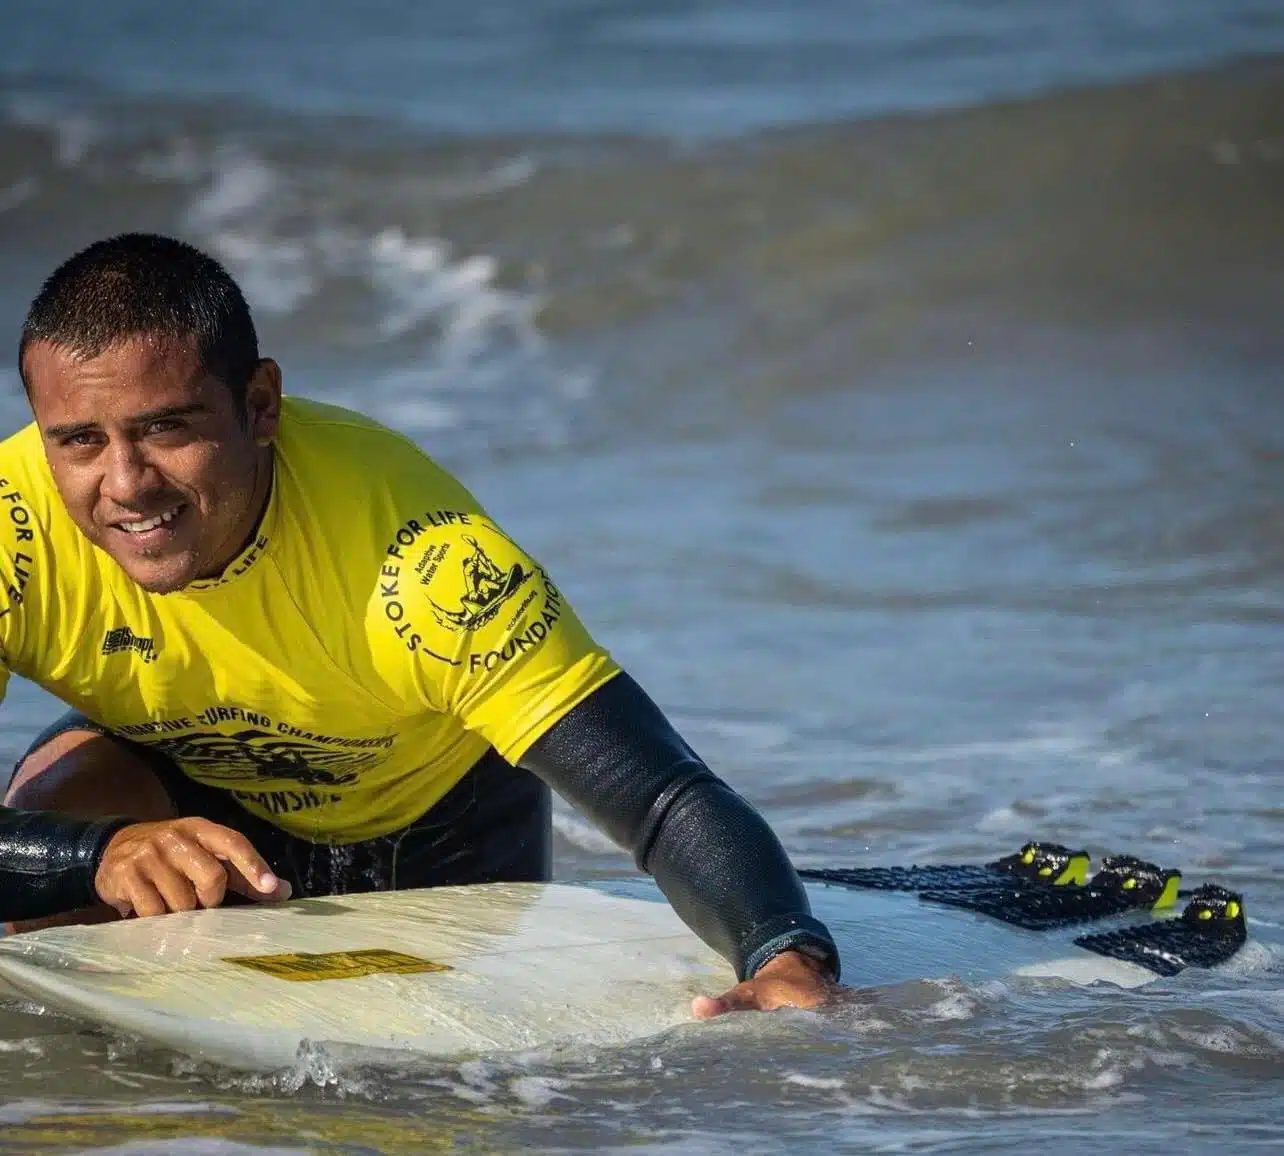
(897, 389)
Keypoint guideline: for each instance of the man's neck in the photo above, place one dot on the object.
(264, 470)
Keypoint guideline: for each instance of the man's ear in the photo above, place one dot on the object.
(263, 402)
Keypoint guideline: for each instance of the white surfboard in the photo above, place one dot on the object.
(472, 970)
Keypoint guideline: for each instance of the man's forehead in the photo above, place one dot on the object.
(129, 373)
(124, 381)
(138, 353)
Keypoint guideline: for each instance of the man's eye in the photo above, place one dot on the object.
(164, 425)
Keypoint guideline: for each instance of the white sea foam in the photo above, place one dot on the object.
(239, 181)
(74, 133)
(538, 1091)
(828, 1083)
(581, 833)
(287, 244)
(276, 276)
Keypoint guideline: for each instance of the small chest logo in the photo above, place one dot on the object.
(122, 640)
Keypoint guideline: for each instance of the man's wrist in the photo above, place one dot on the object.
(803, 934)
(793, 958)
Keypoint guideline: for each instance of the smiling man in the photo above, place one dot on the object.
(300, 658)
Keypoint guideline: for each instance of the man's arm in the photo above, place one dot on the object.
(618, 760)
(504, 668)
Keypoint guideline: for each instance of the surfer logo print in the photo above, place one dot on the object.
(480, 602)
(486, 588)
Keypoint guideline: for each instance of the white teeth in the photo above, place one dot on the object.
(150, 523)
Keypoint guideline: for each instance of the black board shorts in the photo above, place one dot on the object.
(493, 826)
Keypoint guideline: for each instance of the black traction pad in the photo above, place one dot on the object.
(1123, 884)
(1042, 887)
(1039, 863)
(1210, 930)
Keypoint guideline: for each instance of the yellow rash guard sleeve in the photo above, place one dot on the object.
(488, 636)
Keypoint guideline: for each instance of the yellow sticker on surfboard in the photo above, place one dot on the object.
(307, 967)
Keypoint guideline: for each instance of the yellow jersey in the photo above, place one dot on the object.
(346, 669)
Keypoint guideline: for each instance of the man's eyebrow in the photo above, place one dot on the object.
(192, 407)
(70, 429)
(58, 432)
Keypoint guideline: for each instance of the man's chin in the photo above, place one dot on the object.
(163, 575)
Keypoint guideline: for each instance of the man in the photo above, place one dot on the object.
(301, 659)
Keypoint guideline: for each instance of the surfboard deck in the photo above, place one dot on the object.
(474, 970)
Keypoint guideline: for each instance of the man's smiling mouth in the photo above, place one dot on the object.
(156, 525)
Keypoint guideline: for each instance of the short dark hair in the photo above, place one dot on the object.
(143, 283)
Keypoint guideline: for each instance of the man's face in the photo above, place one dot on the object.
(152, 458)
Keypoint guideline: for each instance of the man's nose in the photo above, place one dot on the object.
(128, 475)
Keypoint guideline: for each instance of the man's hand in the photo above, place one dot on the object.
(178, 864)
(791, 979)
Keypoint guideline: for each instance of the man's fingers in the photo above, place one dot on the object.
(116, 898)
(706, 1007)
(742, 997)
(151, 882)
(175, 864)
(172, 883)
(242, 886)
(143, 898)
(234, 848)
(211, 889)
(207, 875)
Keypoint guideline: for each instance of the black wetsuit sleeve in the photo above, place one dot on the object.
(48, 861)
(618, 760)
